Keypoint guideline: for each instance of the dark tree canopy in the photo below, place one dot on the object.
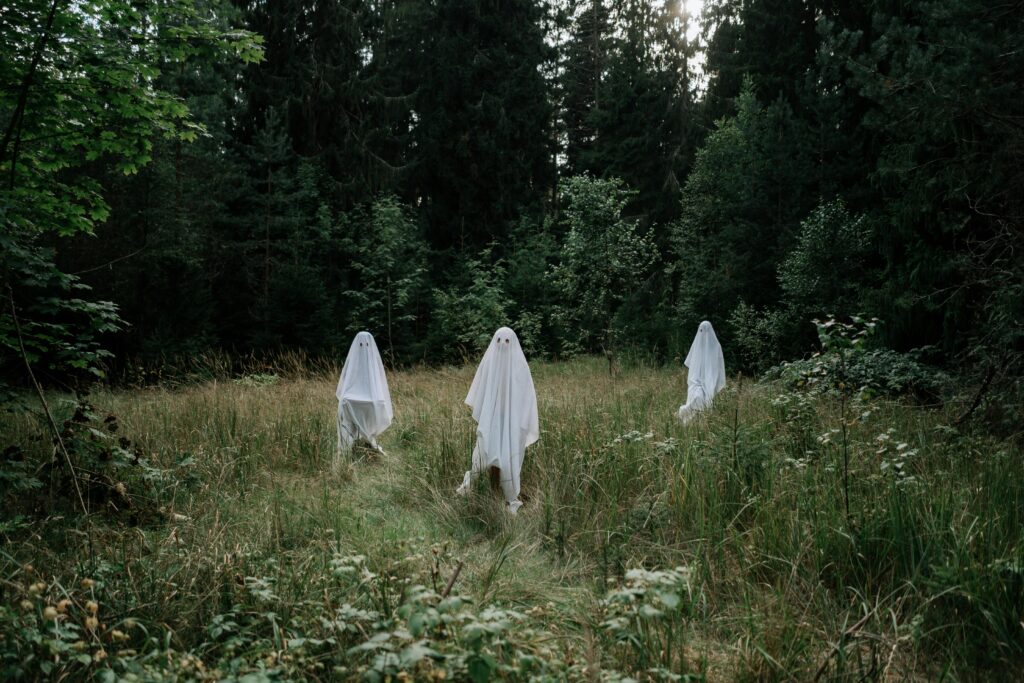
(421, 168)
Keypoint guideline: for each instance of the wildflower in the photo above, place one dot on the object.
(100, 655)
(92, 607)
(88, 583)
(91, 623)
(63, 605)
(119, 636)
(50, 613)
(26, 605)
(37, 587)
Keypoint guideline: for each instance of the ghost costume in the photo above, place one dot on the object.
(706, 375)
(364, 402)
(505, 409)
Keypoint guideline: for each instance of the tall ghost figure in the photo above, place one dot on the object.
(706, 376)
(505, 409)
(364, 402)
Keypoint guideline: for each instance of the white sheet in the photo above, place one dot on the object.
(706, 372)
(504, 406)
(364, 402)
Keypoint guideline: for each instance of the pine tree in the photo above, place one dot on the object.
(628, 100)
(772, 41)
(482, 131)
(583, 67)
(284, 233)
(317, 74)
(388, 277)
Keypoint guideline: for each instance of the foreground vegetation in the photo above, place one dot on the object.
(721, 550)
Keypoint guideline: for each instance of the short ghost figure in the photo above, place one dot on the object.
(706, 375)
(505, 409)
(364, 402)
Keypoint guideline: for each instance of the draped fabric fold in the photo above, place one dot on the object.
(706, 372)
(364, 402)
(504, 406)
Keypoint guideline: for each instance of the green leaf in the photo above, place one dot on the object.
(670, 600)
(417, 623)
(412, 654)
(480, 668)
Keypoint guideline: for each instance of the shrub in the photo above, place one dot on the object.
(378, 626)
(880, 372)
(826, 267)
(645, 620)
(845, 363)
(470, 309)
(111, 472)
(605, 257)
(757, 336)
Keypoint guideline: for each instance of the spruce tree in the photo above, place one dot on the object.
(481, 136)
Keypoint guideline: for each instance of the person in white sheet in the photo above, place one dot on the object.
(364, 402)
(706, 372)
(504, 406)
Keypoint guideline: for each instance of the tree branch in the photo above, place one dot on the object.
(19, 111)
(989, 376)
(42, 399)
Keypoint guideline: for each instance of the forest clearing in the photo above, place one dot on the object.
(264, 565)
(742, 281)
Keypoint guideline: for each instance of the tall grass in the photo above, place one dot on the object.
(924, 578)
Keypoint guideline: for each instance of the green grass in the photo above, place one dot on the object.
(925, 578)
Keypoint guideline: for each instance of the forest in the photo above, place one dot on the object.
(601, 176)
(204, 200)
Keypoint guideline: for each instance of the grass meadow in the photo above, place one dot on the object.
(720, 550)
